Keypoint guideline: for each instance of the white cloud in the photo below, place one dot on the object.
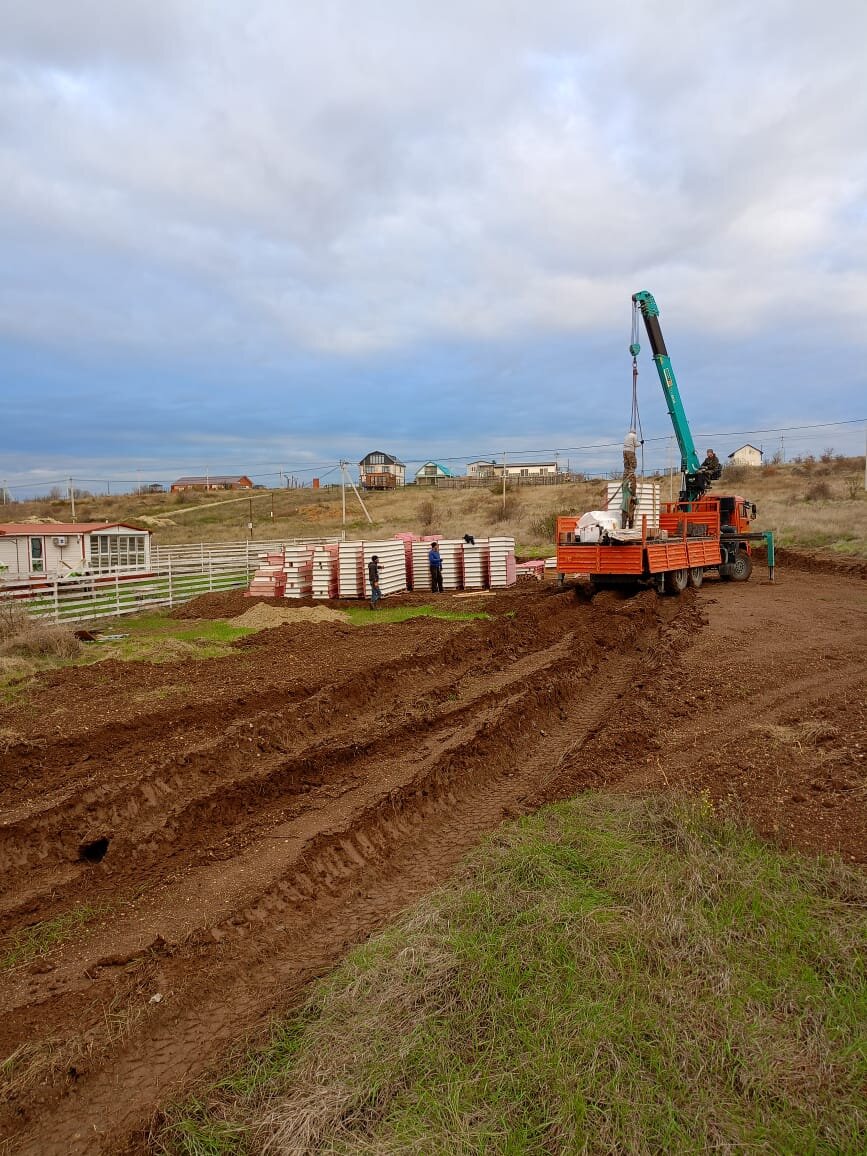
(351, 179)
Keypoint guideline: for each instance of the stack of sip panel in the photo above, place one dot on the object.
(269, 581)
(325, 571)
(476, 562)
(299, 571)
(502, 554)
(647, 501)
(408, 540)
(392, 566)
(452, 553)
(420, 566)
(350, 570)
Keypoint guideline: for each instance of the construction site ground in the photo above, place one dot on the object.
(184, 845)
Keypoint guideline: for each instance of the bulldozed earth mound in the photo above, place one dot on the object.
(185, 845)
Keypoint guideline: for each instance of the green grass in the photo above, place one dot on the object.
(363, 616)
(27, 945)
(152, 638)
(609, 975)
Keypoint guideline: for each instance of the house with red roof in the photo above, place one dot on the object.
(40, 550)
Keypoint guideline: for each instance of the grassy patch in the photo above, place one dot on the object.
(362, 616)
(158, 638)
(609, 975)
(24, 946)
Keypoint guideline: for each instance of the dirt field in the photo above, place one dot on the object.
(212, 834)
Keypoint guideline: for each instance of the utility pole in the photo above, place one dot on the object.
(343, 489)
(4, 492)
(72, 497)
(250, 523)
(355, 491)
(504, 483)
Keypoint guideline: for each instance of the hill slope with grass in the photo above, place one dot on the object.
(609, 975)
(812, 504)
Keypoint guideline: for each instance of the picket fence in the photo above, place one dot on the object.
(177, 574)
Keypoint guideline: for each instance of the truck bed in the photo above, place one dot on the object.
(639, 560)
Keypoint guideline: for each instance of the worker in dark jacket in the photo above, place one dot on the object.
(373, 575)
(436, 568)
(711, 466)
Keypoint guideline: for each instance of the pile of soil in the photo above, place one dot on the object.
(265, 615)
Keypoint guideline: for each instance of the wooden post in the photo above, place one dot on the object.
(171, 595)
(117, 593)
(56, 603)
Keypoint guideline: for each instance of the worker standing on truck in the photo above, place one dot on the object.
(627, 506)
(436, 568)
(373, 575)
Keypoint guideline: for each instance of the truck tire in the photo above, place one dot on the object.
(696, 576)
(676, 581)
(742, 567)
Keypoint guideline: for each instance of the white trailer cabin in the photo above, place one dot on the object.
(40, 551)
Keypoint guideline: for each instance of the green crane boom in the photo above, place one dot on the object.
(695, 482)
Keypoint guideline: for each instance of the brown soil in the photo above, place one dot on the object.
(260, 813)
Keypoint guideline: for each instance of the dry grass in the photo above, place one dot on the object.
(42, 640)
(22, 637)
(609, 975)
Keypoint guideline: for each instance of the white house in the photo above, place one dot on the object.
(530, 469)
(484, 468)
(746, 456)
(33, 550)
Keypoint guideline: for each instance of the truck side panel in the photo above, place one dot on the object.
(601, 560)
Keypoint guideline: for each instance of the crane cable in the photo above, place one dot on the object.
(635, 416)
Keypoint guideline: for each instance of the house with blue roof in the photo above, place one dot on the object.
(430, 473)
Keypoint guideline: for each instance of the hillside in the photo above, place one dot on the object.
(810, 504)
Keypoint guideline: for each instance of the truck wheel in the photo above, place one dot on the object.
(742, 567)
(696, 576)
(676, 581)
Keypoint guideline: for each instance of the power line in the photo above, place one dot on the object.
(325, 468)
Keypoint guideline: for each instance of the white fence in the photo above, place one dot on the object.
(177, 574)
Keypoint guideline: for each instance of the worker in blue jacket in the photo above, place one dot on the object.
(436, 568)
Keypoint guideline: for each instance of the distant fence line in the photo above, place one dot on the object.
(177, 574)
(470, 482)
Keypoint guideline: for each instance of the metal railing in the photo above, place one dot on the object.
(177, 574)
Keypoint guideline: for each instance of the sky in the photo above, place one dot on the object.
(264, 236)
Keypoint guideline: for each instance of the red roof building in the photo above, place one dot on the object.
(57, 549)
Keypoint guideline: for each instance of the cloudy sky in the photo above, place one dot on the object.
(246, 236)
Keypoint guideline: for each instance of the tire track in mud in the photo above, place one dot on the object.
(187, 806)
(291, 890)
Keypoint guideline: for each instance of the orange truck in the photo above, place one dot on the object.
(693, 537)
(697, 533)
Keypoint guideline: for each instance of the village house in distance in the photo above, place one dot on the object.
(746, 456)
(381, 471)
(484, 468)
(430, 473)
(213, 482)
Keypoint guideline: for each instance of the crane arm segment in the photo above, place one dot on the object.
(645, 301)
